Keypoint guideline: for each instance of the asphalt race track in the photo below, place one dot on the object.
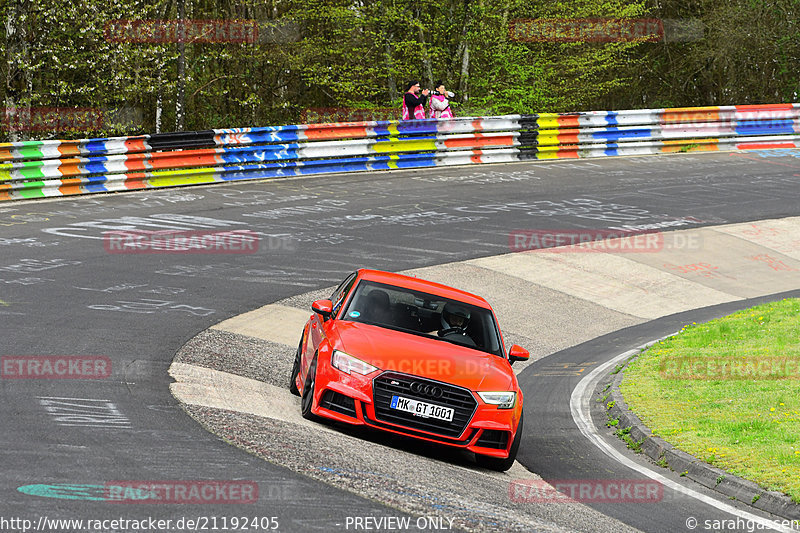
(63, 293)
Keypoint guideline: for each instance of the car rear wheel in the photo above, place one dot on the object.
(296, 370)
(307, 400)
(496, 463)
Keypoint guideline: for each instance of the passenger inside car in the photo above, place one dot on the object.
(378, 308)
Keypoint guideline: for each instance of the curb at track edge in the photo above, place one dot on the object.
(580, 406)
(716, 479)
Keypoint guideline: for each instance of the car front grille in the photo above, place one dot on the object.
(391, 384)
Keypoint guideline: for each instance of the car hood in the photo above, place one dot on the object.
(425, 357)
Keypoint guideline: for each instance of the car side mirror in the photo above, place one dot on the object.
(323, 308)
(518, 353)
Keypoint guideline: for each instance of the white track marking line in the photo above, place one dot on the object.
(580, 407)
(80, 399)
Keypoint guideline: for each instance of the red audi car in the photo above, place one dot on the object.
(412, 357)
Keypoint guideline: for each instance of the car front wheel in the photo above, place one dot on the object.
(307, 400)
(295, 370)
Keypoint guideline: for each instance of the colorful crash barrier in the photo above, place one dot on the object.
(33, 169)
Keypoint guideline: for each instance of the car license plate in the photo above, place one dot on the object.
(427, 410)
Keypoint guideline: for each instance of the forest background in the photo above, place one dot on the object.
(328, 60)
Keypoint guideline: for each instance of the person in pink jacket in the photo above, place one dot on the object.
(439, 104)
(413, 104)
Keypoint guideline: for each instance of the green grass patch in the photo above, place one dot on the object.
(728, 392)
(662, 461)
(625, 435)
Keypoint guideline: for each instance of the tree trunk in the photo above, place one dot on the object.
(159, 94)
(463, 85)
(426, 63)
(463, 51)
(19, 84)
(180, 97)
(392, 83)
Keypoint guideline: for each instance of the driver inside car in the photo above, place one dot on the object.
(455, 320)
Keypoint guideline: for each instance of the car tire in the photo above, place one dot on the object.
(296, 370)
(498, 464)
(307, 399)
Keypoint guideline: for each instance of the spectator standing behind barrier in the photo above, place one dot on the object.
(413, 102)
(440, 105)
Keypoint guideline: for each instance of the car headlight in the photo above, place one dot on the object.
(347, 364)
(503, 399)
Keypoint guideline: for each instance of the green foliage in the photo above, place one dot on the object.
(71, 64)
(662, 461)
(359, 54)
(743, 52)
(625, 435)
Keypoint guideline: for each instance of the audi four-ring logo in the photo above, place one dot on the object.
(426, 389)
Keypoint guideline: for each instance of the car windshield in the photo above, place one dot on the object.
(424, 314)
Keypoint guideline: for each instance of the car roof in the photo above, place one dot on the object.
(409, 282)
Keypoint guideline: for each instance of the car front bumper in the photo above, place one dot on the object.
(352, 399)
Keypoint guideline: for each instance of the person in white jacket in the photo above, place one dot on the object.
(439, 103)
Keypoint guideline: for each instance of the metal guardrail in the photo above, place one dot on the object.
(33, 169)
